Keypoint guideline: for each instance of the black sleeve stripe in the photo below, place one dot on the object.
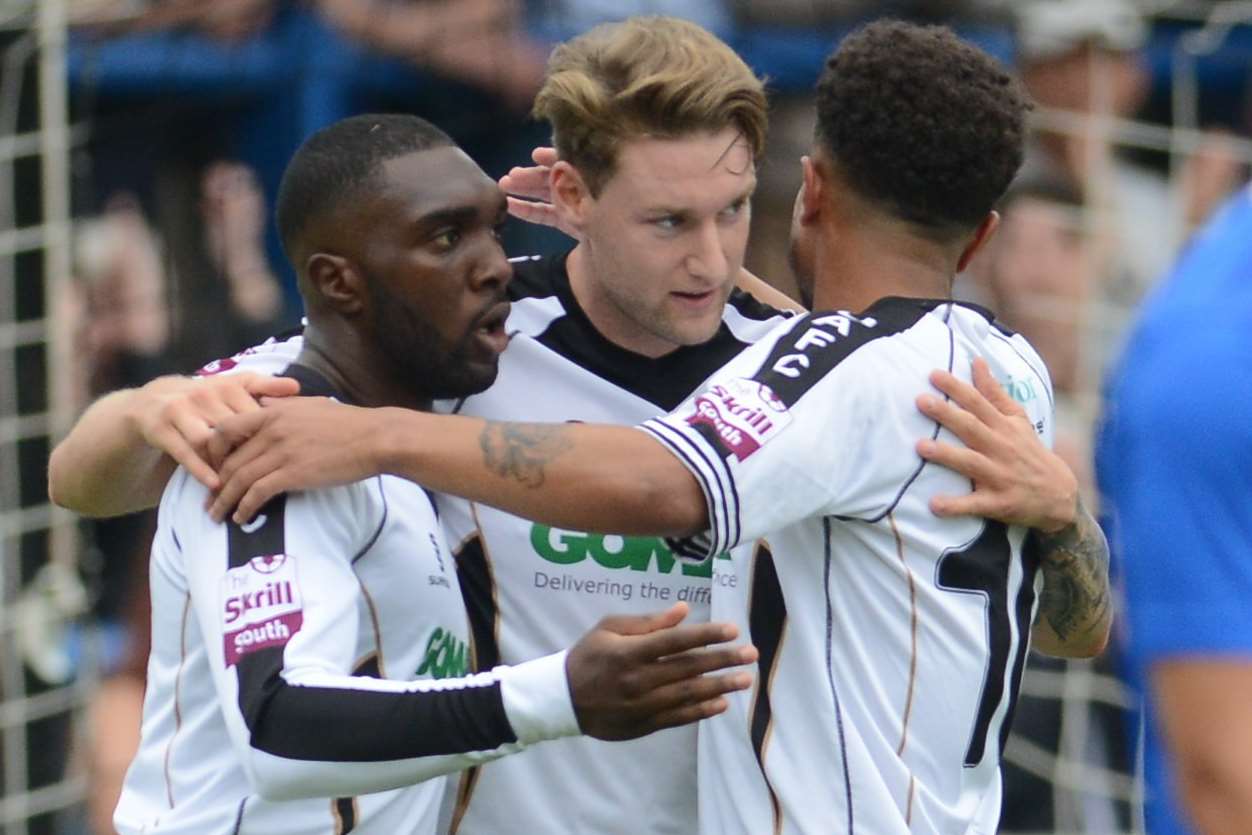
(714, 479)
(339, 725)
(728, 495)
(701, 545)
(345, 725)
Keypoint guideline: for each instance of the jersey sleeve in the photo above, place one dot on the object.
(276, 602)
(781, 432)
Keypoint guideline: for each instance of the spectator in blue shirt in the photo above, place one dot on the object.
(1175, 465)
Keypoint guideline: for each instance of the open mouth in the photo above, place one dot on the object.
(491, 330)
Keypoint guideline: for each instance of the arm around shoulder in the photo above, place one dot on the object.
(766, 293)
(104, 467)
(583, 476)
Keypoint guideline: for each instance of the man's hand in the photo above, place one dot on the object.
(529, 194)
(1017, 480)
(296, 444)
(632, 675)
(177, 415)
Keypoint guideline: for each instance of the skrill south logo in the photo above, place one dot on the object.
(217, 367)
(261, 606)
(743, 413)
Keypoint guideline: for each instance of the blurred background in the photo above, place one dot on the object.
(141, 144)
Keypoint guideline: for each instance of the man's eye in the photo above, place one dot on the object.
(734, 209)
(448, 238)
(668, 223)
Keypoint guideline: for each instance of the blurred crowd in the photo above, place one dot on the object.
(193, 106)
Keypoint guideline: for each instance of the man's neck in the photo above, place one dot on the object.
(859, 269)
(363, 378)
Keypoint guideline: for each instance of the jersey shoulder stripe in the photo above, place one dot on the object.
(818, 342)
(544, 308)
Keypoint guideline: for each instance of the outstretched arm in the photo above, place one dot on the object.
(620, 480)
(1019, 481)
(607, 478)
(122, 450)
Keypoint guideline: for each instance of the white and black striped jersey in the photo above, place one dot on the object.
(306, 665)
(532, 590)
(892, 641)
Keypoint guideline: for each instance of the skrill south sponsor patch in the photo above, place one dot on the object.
(217, 367)
(261, 606)
(744, 414)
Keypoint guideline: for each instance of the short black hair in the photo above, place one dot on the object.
(338, 161)
(922, 123)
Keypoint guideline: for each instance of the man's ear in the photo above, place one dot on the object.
(570, 195)
(981, 235)
(812, 192)
(337, 283)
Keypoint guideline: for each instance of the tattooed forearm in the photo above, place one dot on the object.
(522, 450)
(1075, 600)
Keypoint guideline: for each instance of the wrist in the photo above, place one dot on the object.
(390, 449)
(148, 399)
(537, 699)
(1065, 514)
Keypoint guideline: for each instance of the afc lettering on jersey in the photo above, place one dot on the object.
(822, 331)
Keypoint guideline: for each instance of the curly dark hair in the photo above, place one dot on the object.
(922, 123)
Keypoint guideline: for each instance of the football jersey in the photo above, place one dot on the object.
(306, 665)
(892, 641)
(531, 588)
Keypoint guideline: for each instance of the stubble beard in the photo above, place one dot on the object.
(422, 362)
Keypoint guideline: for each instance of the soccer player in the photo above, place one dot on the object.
(892, 641)
(322, 650)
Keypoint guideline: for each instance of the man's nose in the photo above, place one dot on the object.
(708, 257)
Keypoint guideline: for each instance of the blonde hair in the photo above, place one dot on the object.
(645, 76)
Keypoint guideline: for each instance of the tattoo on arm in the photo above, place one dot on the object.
(1075, 564)
(522, 450)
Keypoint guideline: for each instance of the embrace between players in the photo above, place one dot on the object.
(344, 636)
